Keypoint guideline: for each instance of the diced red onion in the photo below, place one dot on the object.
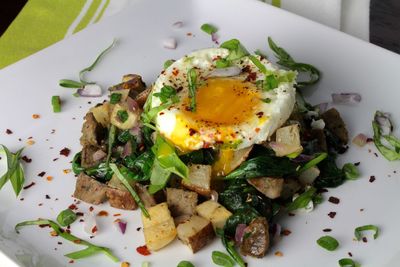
(360, 140)
(177, 25)
(346, 98)
(90, 225)
(90, 90)
(302, 158)
(318, 124)
(322, 107)
(136, 131)
(239, 232)
(225, 72)
(169, 43)
(214, 195)
(308, 176)
(214, 37)
(384, 122)
(276, 234)
(127, 150)
(132, 104)
(121, 225)
(98, 155)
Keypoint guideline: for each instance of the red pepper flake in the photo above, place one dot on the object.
(175, 72)
(30, 142)
(53, 233)
(35, 116)
(361, 210)
(22, 199)
(40, 204)
(29, 185)
(192, 131)
(357, 163)
(65, 152)
(77, 241)
(60, 243)
(79, 213)
(41, 174)
(55, 159)
(260, 114)
(91, 208)
(257, 130)
(66, 171)
(376, 155)
(364, 239)
(47, 197)
(44, 225)
(71, 261)
(138, 229)
(286, 232)
(143, 250)
(189, 34)
(334, 200)
(332, 214)
(102, 213)
(72, 207)
(162, 113)
(125, 264)
(278, 254)
(350, 254)
(26, 159)
(68, 231)
(94, 229)
(372, 178)
(291, 214)
(251, 77)
(117, 214)
(49, 178)
(8, 131)
(327, 230)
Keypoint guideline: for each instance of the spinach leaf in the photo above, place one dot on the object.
(66, 217)
(263, 166)
(76, 163)
(203, 156)
(331, 175)
(230, 248)
(159, 177)
(141, 165)
(240, 217)
(236, 49)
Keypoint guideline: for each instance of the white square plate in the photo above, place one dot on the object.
(348, 65)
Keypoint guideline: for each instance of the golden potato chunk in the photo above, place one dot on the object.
(195, 232)
(214, 212)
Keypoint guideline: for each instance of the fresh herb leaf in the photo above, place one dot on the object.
(56, 103)
(115, 98)
(91, 67)
(389, 153)
(66, 217)
(266, 100)
(192, 81)
(111, 139)
(350, 171)
(70, 83)
(74, 255)
(222, 259)
(230, 248)
(167, 93)
(125, 182)
(263, 166)
(168, 63)
(258, 64)
(302, 200)
(358, 231)
(159, 177)
(258, 52)
(76, 163)
(122, 115)
(330, 175)
(208, 28)
(236, 49)
(319, 157)
(148, 116)
(270, 83)
(284, 59)
(347, 262)
(185, 264)
(14, 171)
(328, 242)
(203, 156)
(222, 63)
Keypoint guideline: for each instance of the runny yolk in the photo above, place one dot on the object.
(224, 101)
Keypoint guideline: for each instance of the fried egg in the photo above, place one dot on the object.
(232, 112)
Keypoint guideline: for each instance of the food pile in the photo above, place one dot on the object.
(220, 144)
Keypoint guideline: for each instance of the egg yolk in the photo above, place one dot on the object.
(224, 101)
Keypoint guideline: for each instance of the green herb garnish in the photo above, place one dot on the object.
(236, 49)
(390, 153)
(319, 157)
(358, 231)
(167, 93)
(328, 242)
(126, 183)
(284, 59)
(230, 247)
(122, 115)
(110, 142)
(258, 64)
(14, 170)
(89, 251)
(266, 100)
(350, 171)
(208, 28)
(347, 262)
(70, 84)
(185, 264)
(66, 217)
(56, 103)
(192, 81)
(222, 63)
(168, 63)
(302, 200)
(115, 98)
(222, 259)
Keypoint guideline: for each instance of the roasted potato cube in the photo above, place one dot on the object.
(181, 202)
(199, 179)
(288, 138)
(214, 212)
(229, 159)
(102, 114)
(90, 190)
(196, 232)
(159, 230)
(129, 122)
(269, 186)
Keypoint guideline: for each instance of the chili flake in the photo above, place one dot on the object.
(372, 178)
(35, 116)
(334, 200)
(286, 232)
(65, 152)
(29, 185)
(279, 254)
(143, 250)
(66, 171)
(332, 214)
(102, 213)
(327, 230)
(125, 264)
(30, 142)
(49, 178)
(8, 131)
(53, 233)
(26, 159)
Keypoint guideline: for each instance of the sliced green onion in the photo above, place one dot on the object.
(125, 182)
(91, 67)
(89, 251)
(302, 200)
(14, 170)
(145, 264)
(208, 28)
(358, 231)
(313, 162)
(192, 81)
(66, 217)
(222, 259)
(56, 103)
(222, 63)
(350, 171)
(122, 115)
(168, 63)
(347, 262)
(266, 100)
(70, 83)
(258, 63)
(185, 264)
(115, 98)
(328, 242)
(236, 49)
(112, 132)
(270, 82)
